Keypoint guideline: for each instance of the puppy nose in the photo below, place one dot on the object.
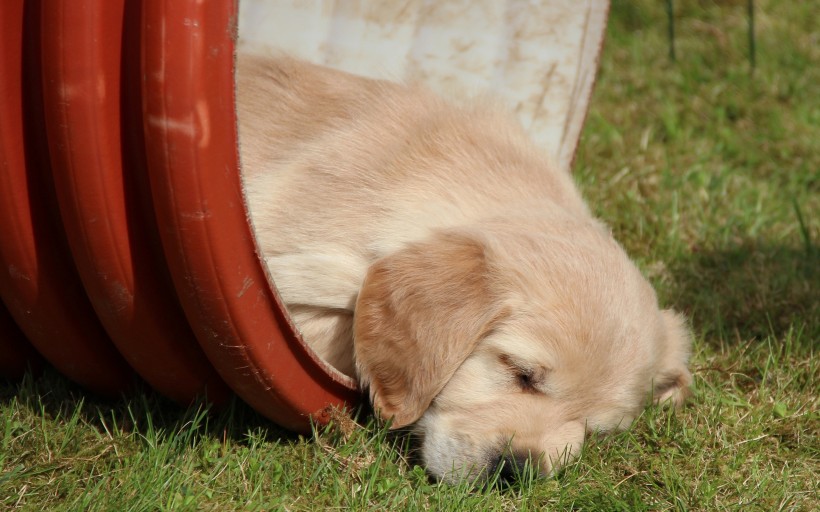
(510, 466)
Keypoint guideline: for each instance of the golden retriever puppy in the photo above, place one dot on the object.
(435, 254)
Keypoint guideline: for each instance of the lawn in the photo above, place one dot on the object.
(708, 172)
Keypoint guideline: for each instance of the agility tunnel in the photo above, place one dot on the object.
(125, 244)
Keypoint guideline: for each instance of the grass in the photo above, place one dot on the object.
(708, 173)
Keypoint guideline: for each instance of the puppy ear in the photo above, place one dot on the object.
(673, 379)
(419, 314)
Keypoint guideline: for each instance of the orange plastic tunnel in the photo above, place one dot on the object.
(126, 253)
(126, 248)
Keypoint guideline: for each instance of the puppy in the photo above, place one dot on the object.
(435, 254)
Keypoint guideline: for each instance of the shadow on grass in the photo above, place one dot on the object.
(54, 397)
(751, 291)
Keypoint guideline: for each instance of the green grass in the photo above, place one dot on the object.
(709, 174)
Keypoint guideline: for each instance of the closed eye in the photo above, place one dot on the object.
(525, 380)
(528, 378)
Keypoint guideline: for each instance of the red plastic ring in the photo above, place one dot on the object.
(191, 138)
(90, 52)
(38, 282)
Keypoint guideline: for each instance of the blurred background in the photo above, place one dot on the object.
(707, 162)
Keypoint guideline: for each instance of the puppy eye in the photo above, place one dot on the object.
(526, 380)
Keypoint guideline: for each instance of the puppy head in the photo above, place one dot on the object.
(511, 342)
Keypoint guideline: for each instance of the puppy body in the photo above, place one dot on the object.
(434, 253)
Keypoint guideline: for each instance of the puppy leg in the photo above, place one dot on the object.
(329, 333)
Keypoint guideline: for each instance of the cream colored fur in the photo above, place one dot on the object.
(435, 254)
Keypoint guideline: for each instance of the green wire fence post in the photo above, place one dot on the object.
(670, 13)
(752, 50)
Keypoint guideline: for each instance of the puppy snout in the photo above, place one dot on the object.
(510, 467)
